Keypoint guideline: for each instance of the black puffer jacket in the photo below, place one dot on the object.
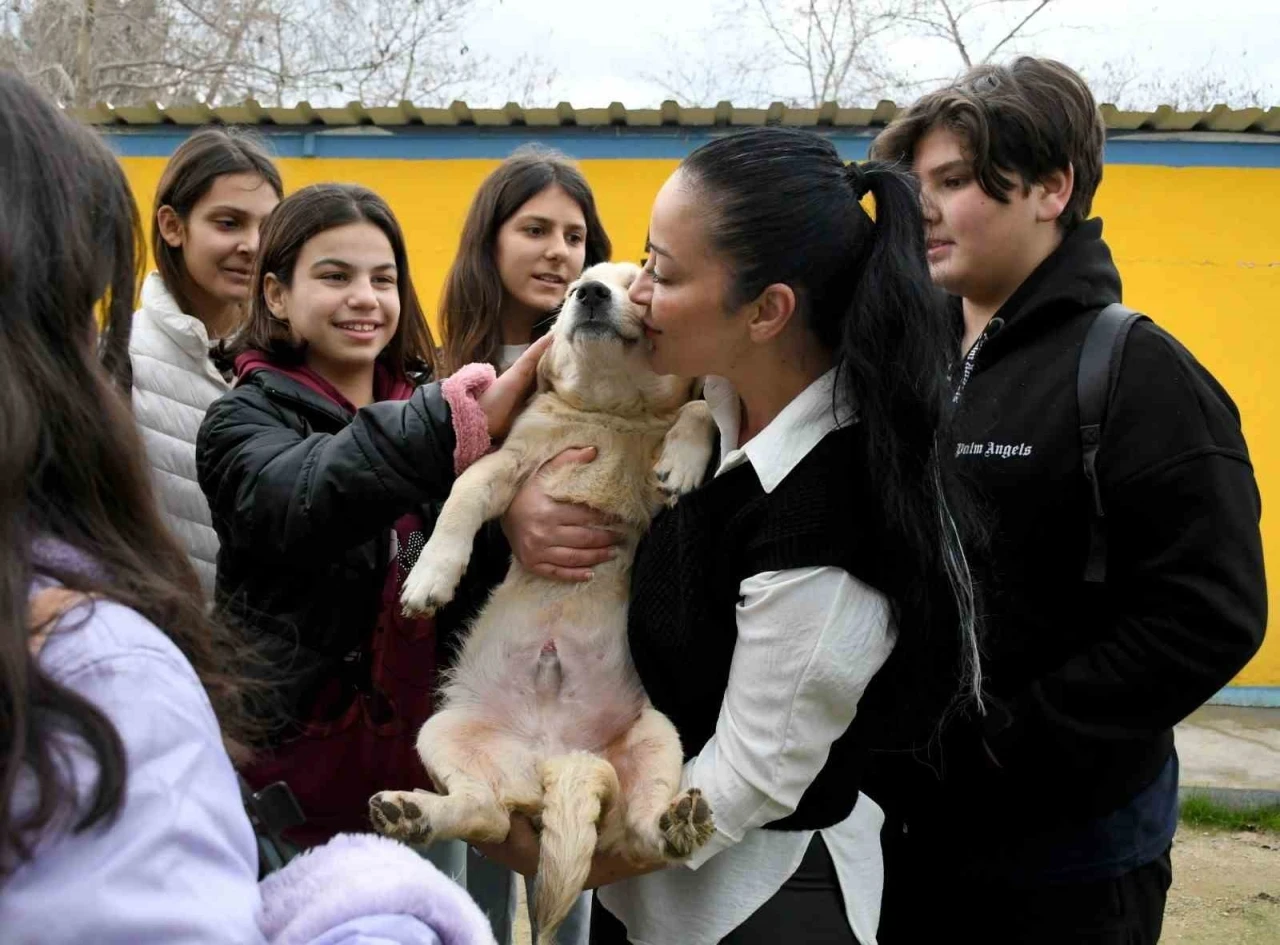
(304, 496)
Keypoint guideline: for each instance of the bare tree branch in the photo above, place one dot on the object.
(1132, 88)
(845, 50)
(279, 51)
(1016, 30)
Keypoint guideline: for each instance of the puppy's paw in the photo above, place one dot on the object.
(427, 588)
(686, 825)
(401, 815)
(686, 451)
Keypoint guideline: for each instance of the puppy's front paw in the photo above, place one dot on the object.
(427, 588)
(686, 451)
(686, 825)
(400, 815)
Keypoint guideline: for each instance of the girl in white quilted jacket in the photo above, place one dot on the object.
(213, 195)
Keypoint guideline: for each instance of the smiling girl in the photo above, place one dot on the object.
(213, 196)
(323, 469)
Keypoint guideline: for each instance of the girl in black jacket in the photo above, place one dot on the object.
(322, 468)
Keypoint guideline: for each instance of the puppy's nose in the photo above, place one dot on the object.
(593, 293)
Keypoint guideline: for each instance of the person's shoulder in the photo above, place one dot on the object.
(104, 636)
(160, 324)
(1157, 364)
(1166, 408)
(824, 493)
(830, 471)
(248, 397)
(145, 335)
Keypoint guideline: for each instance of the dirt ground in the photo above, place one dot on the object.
(1226, 888)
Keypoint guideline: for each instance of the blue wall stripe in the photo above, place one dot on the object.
(669, 143)
(1267, 697)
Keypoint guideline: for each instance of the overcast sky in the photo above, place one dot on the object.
(610, 50)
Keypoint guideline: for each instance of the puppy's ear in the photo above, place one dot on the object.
(546, 370)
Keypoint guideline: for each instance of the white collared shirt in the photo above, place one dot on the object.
(809, 642)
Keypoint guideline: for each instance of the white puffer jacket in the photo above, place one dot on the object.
(174, 382)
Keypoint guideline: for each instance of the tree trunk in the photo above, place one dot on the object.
(84, 56)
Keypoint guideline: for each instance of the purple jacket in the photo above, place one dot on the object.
(179, 863)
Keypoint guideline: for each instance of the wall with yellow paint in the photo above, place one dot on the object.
(1199, 249)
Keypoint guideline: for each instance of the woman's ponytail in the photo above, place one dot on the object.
(784, 208)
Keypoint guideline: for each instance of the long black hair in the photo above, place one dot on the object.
(784, 208)
(72, 466)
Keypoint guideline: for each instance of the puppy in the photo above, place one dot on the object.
(543, 713)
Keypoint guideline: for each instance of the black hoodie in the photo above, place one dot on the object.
(1085, 682)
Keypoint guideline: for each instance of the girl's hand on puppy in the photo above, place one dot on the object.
(505, 397)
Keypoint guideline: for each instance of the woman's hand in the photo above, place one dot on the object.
(505, 397)
(553, 539)
(519, 852)
(609, 868)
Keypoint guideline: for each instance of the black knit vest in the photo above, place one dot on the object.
(682, 623)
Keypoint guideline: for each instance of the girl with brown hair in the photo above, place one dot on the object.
(323, 468)
(531, 230)
(210, 203)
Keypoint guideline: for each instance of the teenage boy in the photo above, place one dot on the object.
(1049, 818)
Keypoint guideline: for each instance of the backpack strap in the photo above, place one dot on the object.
(1100, 358)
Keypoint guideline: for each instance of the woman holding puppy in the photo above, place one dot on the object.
(782, 615)
(530, 231)
(323, 467)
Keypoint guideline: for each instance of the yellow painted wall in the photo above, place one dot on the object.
(1199, 249)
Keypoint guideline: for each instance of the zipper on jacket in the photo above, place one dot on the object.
(333, 411)
(971, 359)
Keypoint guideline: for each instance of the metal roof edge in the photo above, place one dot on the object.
(1218, 120)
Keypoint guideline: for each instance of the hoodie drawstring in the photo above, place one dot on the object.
(971, 358)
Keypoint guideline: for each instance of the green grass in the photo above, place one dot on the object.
(1202, 812)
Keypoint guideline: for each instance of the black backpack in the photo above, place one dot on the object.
(1100, 359)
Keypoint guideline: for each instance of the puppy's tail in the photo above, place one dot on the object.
(577, 788)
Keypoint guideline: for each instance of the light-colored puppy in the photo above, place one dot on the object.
(543, 713)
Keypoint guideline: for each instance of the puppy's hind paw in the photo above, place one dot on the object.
(400, 815)
(686, 825)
